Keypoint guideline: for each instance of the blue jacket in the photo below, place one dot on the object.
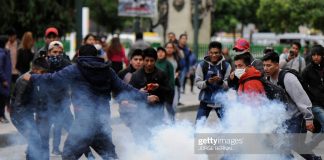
(92, 81)
(5, 71)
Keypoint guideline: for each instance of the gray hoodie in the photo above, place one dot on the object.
(208, 90)
(298, 95)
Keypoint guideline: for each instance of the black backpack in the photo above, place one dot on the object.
(282, 74)
(273, 92)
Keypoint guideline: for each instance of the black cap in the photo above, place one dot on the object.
(161, 48)
(42, 63)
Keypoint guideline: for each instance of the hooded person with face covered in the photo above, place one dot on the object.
(91, 81)
(56, 112)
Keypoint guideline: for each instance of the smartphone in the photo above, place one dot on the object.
(291, 53)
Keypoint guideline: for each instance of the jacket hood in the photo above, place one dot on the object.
(250, 72)
(94, 70)
(207, 60)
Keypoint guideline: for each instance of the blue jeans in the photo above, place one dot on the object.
(297, 125)
(318, 112)
(204, 110)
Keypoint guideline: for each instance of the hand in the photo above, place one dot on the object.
(127, 104)
(26, 76)
(290, 57)
(153, 98)
(214, 79)
(143, 90)
(310, 125)
(176, 75)
(5, 84)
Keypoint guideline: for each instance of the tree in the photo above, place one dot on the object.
(288, 15)
(229, 13)
(36, 16)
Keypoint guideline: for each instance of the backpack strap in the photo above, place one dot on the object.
(281, 77)
(300, 63)
(204, 67)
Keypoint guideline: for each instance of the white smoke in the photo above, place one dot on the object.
(243, 115)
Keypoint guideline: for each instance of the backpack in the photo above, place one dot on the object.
(274, 92)
(205, 66)
(282, 74)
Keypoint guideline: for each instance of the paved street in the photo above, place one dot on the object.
(121, 134)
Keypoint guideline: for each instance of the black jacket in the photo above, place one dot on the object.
(92, 81)
(27, 98)
(140, 79)
(313, 76)
(129, 69)
(24, 59)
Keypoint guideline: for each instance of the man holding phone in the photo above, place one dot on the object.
(211, 78)
(293, 60)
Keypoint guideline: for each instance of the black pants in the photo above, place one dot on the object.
(89, 130)
(25, 124)
(3, 102)
(117, 66)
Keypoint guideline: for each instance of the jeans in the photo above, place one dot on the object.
(297, 125)
(204, 110)
(318, 112)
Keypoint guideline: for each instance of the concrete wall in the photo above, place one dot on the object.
(180, 22)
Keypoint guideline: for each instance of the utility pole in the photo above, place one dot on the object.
(137, 24)
(196, 28)
(78, 7)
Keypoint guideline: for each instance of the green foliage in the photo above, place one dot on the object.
(288, 15)
(229, 13)
(36, 16)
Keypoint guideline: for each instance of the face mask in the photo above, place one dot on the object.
(54, 61)
(239, 72)
(98, 46)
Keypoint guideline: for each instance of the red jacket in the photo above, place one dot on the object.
(253, 85)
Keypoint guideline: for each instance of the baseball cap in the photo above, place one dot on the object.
(55, 44)
(241, 45)
(51, 30)
(161, 48)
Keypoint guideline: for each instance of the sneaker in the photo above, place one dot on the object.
(180, 104)
(57, 152)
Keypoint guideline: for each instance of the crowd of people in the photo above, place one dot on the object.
(40, 87)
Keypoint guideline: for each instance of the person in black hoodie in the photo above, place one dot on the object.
(24, 102)
(313, 75)
(153, 81)
(91, 81)
(127, 109)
